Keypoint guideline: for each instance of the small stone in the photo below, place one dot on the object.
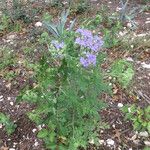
(129, 110)
(36, 144)
(147, 22)
(11, 103)
(147, 143)
(113, 126)
(110, 142)
(34, 130)
(38, 24)
(1, 126)
(11, 149)
(144, 65)
(132, 46)
(129, 25)
(129, 59)
(136, 141)
(120, 105)
(39, 127)
(143, 134)
(11, 37)
(133, 137)
(9, 98)
(110, 78)
(1, 96)
(130, 148)
(91, 141)
(101, 142)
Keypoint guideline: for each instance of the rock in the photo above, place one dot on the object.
(144, 65)
(11, 149)
(101, 142)
(129, 59)
(110, 142)
(133, 137)
(136, 141)
(147, 143)
(11, 37)
(1, 98)
(34, 130)
(143, 134)
(147, 22)
(1, 125)
(91, 141)
(39, 127)
(120, 105)
(11, 103)
(38, 24)
(9, 98)
(36, 144)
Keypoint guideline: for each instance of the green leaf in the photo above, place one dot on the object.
(43, 133)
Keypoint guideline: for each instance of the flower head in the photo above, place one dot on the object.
(88, 60)
(57, 45)
(87, 40)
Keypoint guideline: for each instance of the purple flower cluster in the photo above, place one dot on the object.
(90, 42)
(90, 59)
(58, 45)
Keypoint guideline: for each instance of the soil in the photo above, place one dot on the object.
(120, 130)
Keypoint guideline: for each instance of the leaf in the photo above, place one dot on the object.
(148, 126)
(43, 133)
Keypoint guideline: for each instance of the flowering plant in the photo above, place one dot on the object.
(67, 92)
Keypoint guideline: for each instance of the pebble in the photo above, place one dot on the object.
(38, 24)
(101, 142)
(129, 59)
(133, 137)
(91, 141)
(136, 141)
(34, 130)
(110, 142)
(147, 22)
(1, 98)
(144, 65)
(11, 103)
(129, 110)
(9, 98)
(36, 144)
(129, 25)
(143, 134)
(39, 127)
(1, 126)
(120, 105)
(147, 143)
(11, 149)
(11, 37)
(113, 126)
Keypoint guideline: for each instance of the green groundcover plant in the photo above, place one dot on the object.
(69, 84)
(8, 124)
(140, 117)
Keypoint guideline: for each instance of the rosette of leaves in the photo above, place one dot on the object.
(140, 117)
(123, 71)
(9, 125)
(58, 29)
(67, 99)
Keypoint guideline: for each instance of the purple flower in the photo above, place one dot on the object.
(84, 32)
(90, 59)
(84, 62)
(57, 45)
(87, 40)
